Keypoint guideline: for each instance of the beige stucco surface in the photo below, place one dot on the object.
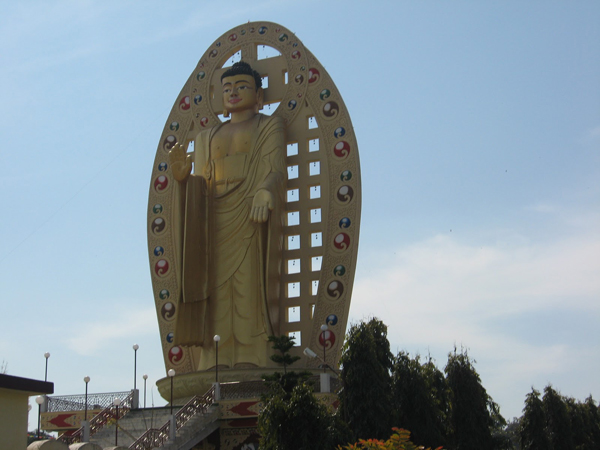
(13, 419)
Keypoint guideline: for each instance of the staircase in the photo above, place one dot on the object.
(131, 426)
(195, 430)
(194, 421)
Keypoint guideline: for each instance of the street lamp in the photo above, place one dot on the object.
(86, 381)
(171, 374)
(46, 355)
(145, 377)
(324, 328)
(217, 338)
(39, 400)
(116, 403)
(135, 349)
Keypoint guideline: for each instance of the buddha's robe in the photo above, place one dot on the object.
(230, 264)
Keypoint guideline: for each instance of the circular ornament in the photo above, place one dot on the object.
(345, 195)
(161, 183)
(169, 337)
(184, 103)
(175, 354)
(164, 294)
(299, 79)
(325, 93)
(169, 142)
(330, 109)
(201, 75)
(339, 270)
(162, 167)
(313, 75)
(283, 37)
(335, 289)
(158, 225)
(161, 268)
(341, 241)
(331, 320)
(174, 126)
(292, 104)
(346, 175)
(159, 251)
(345, 223)
(262, 30)
(168, 311)
(204, 121)
(339, 132)
(197, 99)
(157, 209)
(296, 54)
(327, 339)
(341, 149)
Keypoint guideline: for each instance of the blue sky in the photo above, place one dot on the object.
(478, 125)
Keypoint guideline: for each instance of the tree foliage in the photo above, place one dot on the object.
(365, 401)
(287, 380)
(421, 399)
(533, 423)
(474, 418)
(297, 421)
(558, 423)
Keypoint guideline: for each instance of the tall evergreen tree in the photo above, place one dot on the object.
(533, 424)
(474, 416)
(417, 405)
(558, 423)
(365, 400)
(594, 421)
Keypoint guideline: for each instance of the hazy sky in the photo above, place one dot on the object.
(478, 126)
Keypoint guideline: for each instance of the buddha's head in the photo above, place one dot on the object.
(242, 88)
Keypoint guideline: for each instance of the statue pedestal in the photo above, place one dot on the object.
(188, 385)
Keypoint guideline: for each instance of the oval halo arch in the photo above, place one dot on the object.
(323, 191)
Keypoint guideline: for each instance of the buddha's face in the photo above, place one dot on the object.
(239, 93)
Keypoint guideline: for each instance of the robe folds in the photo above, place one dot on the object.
(229, 265)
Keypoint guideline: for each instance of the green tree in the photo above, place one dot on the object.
(287, 380)
(419, 407)
(593, 415)
(533, 424)
(298, 421)
(558, 422)
(365, 400)
(475, 419)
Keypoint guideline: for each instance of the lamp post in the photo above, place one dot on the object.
(135, 349)
(46, 355)
(172, 422)
(145, 377)
(171, 374)
(217, 338)
(324, 328)
(116, 403)
(86, 381)
(39, 400)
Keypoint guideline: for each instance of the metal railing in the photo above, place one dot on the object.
(157, 437)
(102, 418)
(77, 402)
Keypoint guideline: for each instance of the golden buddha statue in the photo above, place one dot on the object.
(231, 243)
